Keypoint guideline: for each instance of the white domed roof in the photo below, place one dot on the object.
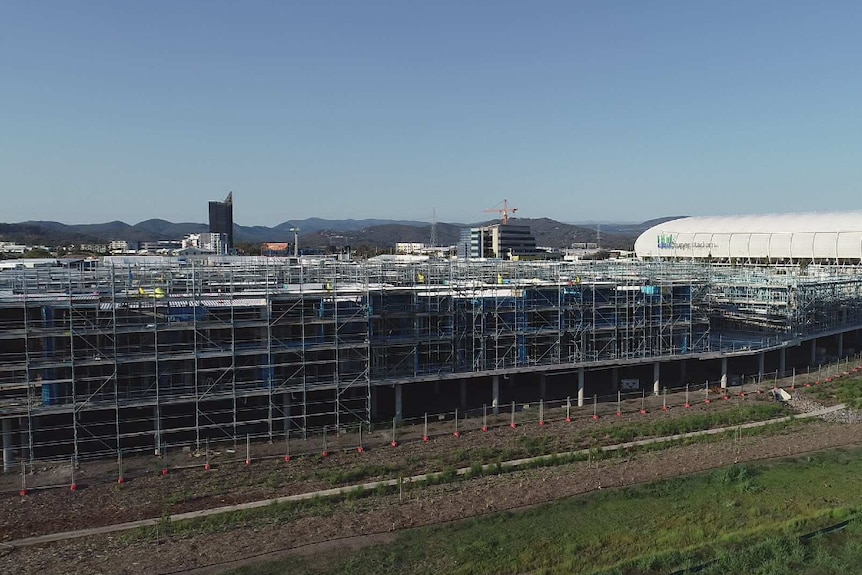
(818, 236)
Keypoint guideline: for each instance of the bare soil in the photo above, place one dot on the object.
(51, 506)
(100, 501)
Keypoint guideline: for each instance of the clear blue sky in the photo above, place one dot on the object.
(616, 111)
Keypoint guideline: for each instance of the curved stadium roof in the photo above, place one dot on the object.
(823, 237)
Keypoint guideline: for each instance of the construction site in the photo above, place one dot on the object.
(122, 356)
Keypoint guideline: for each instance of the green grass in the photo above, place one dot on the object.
(531, 447)
(546, 445)
(347, 475)
(275, 513)
(756, 411)
(741, 514)
(851, 394)
(834, 553)
(348, 502)
(847, 391)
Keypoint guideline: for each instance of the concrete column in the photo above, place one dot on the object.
(723, 373)
(813, 359)
(399, 412)
(782, 361)
(580, 387)
(761, 359)
(840, 345)
(495, 394)
(8, 457)
(543, 386)
(656, 380)
(463, 394)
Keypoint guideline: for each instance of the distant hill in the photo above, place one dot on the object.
(627, 228)
(59, 234)
(383, 236)
(317, 232)
(650, 223)
(309, 225)
(552, 233)
(43, 233)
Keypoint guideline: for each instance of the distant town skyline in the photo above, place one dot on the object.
(576, 111)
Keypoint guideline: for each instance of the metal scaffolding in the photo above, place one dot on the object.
(787, 300)
(124, 355)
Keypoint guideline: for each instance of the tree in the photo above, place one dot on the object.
(598, 255)
(248, 249)
(37, 253)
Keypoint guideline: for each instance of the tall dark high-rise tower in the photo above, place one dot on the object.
(221, 219)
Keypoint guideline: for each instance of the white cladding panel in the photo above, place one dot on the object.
(720, 245)
(818, 236)
(739, 243)
(802, 245)
(824, 245)
(779, 246)
(849, 244)
(760, 245)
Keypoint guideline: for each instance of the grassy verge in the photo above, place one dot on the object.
(354, 501)
(847, 391)
(756, 411)
(546, 445)
(649, 529)
(413, 462)
(834, 553)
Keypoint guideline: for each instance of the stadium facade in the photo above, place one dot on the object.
(830, 238)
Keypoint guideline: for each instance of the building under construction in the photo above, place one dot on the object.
(137, 353)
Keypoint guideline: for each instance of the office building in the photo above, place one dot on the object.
(221, 220)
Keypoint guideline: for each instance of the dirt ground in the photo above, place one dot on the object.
(99, 500)
(382, 515)
(358, 521)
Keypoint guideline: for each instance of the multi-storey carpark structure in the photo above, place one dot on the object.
(142, 352)
(788, 301)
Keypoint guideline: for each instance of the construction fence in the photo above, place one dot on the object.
(553, 415)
